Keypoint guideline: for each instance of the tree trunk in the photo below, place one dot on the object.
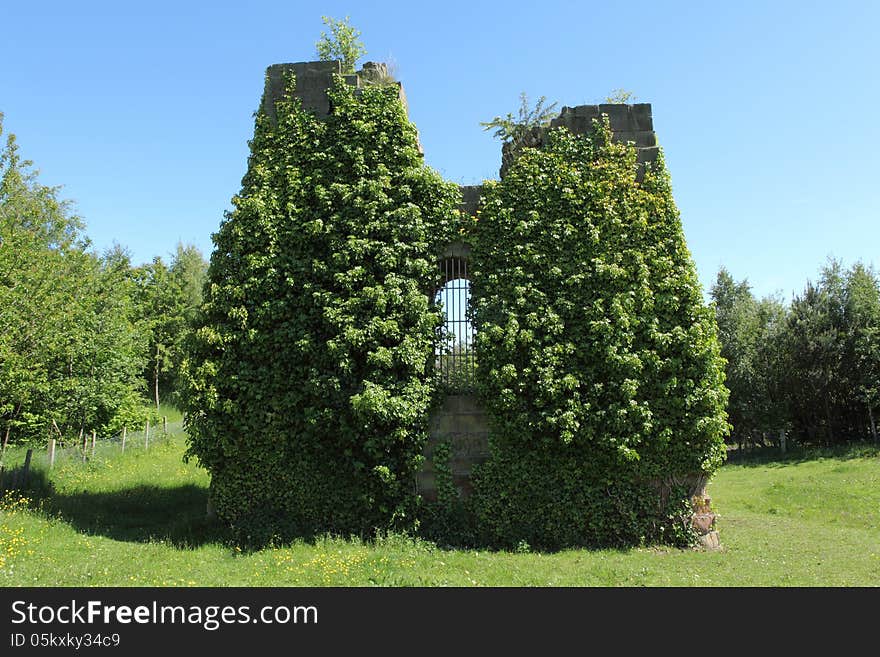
(6, 436)
(873, 424)
(156, 378)
(828, 418)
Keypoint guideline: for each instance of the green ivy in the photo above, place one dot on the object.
(599, 362)
(310, 375)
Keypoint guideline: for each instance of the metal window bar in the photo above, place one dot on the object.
(455, 359)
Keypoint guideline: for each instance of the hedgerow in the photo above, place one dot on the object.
(310, 375)
(599, 362)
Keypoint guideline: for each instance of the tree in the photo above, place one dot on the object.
(190, 269)
(815, 343)
(70, 347)
(37, 230)
(749, 332)
(160, 303)
(342, 43)
(862, 314)
(169, 297)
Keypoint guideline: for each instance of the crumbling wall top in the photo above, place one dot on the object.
(313, 79)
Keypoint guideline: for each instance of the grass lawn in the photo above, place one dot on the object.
(812, 519)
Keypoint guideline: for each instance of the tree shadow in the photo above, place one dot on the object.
(141, 514)
(772, 457)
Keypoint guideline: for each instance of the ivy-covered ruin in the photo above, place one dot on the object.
(590, 409)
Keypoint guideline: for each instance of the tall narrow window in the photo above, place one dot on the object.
(455, 361)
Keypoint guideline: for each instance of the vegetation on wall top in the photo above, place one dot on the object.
(514, 128)
(342, 43)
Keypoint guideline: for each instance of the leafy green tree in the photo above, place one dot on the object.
(342, 43)
(816, 350)
(310, 371)
(811, 368)
(190, 269)
(161, 304)
(750, 333)
(70, 341)
(96, 368)
(169, 297)
(863, 313)
(37, 230)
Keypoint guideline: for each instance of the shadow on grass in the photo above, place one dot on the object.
(139, 515)
(772, 457)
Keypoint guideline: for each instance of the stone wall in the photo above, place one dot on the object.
(470, 198)
(463, 423)
(460, 420)
(314, 78)
(629, 123)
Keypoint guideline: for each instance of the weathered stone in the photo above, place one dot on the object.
(313, 79)
(703, 522)
(641, 139)
(701, 504)
(629, 123)
(589, 112)
(619, 116)
(710, 541)
(470, 198)
(648, 154)
(462, 423)
(641, 117)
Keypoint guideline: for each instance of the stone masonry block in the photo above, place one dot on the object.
(641, 116)
(641, 139)
(648, 154)
(587, 111)
(619, 116)
(470, 198)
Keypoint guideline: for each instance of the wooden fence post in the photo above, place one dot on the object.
(123, 438)
(83, 439)
(93, 443)
(51, 452)
(25, 473)
(165, 425)
(147, 435)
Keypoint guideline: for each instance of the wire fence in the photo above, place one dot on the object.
(18, 465)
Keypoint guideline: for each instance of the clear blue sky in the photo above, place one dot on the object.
(767, 111)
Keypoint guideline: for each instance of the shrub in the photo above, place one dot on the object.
(343, 43)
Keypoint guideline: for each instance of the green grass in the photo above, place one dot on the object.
(138, 519)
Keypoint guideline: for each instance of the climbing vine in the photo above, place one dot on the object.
(599, 363)
(310, 374)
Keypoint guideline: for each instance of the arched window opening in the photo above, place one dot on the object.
(454, 357)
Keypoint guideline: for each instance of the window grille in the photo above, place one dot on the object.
(454, 358)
